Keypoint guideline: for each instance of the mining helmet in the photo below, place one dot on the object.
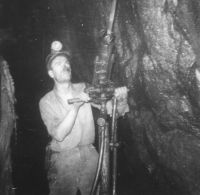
(56, 50)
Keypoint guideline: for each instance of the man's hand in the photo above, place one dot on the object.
(121, 93)
(84, 97)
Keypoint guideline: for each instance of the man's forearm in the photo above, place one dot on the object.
(64, 128)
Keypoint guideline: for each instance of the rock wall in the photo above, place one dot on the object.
(7, 126)
(165, 100)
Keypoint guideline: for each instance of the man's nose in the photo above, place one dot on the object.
(67, 69)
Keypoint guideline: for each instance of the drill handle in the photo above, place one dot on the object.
(76, 100)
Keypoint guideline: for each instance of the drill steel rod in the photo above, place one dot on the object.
(114, 146)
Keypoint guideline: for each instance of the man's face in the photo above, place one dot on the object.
(60, 69)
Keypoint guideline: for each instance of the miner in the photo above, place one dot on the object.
(73, 159)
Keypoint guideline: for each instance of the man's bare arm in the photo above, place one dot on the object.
(60, 129)
(65, 127)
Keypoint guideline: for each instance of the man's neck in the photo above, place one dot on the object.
(64, 90)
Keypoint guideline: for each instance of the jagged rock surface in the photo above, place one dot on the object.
(7, 126)
(165, 109)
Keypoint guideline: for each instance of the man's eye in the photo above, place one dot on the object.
(58, 63)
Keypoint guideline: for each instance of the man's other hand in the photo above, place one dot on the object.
(121, 93)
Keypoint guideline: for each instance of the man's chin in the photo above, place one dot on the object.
(65, 80)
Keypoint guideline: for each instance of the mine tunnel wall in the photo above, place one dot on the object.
(7, 127)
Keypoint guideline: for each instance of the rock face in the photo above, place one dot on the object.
(165, 100)
(6, 129)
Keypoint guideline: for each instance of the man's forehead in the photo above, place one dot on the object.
(60, 59)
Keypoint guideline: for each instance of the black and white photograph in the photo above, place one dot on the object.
(100, 97)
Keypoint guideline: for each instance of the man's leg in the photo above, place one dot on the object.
(89, 159)
(63, 187)
(64, 173)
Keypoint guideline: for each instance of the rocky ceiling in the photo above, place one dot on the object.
(157, 55)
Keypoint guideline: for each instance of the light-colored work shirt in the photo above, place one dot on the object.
(53, 112)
